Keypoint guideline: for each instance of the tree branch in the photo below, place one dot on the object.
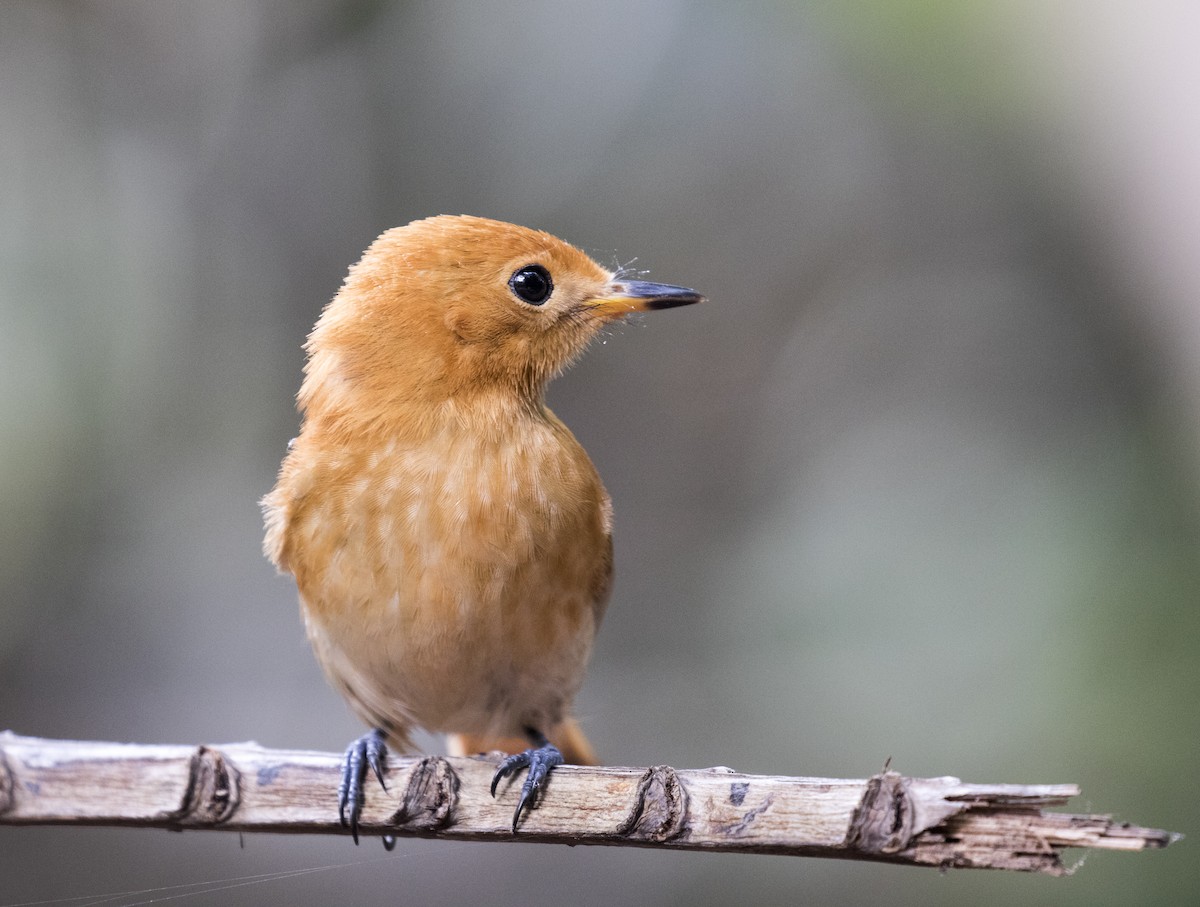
(243, 787)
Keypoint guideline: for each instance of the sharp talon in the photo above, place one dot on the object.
(389, 843)
(539, 761)
(377, 756)
(367, 750)
(506, 768)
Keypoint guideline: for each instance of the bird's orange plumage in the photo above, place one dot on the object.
(450, 539)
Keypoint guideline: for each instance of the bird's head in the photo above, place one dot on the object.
(449, 307)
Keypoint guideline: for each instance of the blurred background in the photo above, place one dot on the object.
(921, 481)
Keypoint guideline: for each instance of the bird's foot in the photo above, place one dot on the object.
(369, 750)
(540, 760)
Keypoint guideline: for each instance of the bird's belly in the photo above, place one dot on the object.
(489, 663)
(456, 610)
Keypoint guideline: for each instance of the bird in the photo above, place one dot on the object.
(450, 539)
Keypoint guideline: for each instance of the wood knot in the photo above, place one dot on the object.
(213, 793)
(431, 796)
(660, 812)
(884, 818)
(7, 798)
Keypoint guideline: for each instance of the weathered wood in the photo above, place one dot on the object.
(243, 787)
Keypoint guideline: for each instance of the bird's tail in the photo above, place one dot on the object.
(567, 736)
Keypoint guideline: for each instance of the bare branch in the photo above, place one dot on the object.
(243, 787)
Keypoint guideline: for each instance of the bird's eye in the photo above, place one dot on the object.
(531, 283)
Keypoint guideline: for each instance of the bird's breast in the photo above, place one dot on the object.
(440, 574)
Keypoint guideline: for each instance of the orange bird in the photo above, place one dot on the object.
(450, 539)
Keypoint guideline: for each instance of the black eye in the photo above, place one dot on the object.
(531, 283)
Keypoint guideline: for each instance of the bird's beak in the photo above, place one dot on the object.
(625, 296)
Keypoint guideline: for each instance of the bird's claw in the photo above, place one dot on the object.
(539, 761)
(368, 750)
